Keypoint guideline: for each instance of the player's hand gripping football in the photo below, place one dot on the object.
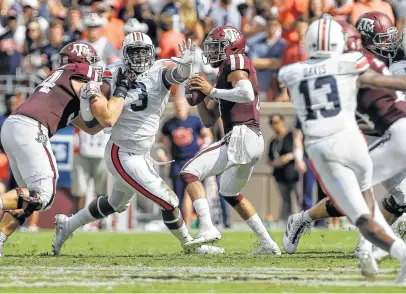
(197, 82)
(122, 85)
(187, 52)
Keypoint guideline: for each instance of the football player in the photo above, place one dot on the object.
(380, 37)
(380, 110)
(323, 91)
(135, 122)
(25, 135)
(234, 99)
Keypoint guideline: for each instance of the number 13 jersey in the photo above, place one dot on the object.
(147, 99)
(324, 92)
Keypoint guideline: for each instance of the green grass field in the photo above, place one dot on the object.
(141, 262)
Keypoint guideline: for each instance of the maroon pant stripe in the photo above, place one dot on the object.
(118, 166)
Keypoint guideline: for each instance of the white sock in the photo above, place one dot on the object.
(81, 218)
(306, 217)
(182, 234)
(3, 238)
(201, 206)
(256, 225)
(398, 249)
(1, 203)
(364, 244)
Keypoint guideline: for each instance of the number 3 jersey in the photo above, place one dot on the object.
(147, 99)
(324, 92)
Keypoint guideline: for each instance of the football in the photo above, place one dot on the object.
(194, 97)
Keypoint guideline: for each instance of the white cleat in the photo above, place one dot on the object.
(377, 253)
(369, 267)
(205, 249)
(271, 248)
(295, 228)
(401, 279)
(207, 235)
(62, 233)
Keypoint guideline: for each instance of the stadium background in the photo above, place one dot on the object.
(33, 31)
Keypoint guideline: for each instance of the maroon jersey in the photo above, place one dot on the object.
(54, 102)
(380, 105)
(233, 113)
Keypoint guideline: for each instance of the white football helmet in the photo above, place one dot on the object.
(137, 52)
(325, 38)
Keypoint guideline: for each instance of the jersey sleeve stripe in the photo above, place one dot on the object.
(362, 63)
(89, 72)
(107, 73)
(232, 59)
(241, 61)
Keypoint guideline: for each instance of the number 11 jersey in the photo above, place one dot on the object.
(144, 105)
(324, 92)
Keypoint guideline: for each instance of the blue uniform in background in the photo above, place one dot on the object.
(184, 136)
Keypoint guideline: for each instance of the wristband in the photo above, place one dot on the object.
(120, 91)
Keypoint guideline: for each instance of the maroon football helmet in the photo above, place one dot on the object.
(222, 42)
(378, 34)
(78, 52)
(352, 37)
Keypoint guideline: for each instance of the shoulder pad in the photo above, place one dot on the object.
(237, 62)
(289, 74)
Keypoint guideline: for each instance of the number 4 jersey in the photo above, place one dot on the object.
(324, 92)
(54, 102)
(147, 99)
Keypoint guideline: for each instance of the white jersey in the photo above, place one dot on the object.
(324, 92)
(92, 146)
(144, 105)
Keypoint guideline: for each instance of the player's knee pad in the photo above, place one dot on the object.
(391, 206)
(32, 202)
(332, 210)
(234, 200)
(100, 207)
(18, 216)
(188, 178)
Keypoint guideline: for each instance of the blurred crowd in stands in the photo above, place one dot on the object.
(33, 31)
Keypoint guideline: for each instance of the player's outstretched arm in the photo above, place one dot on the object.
(179, 73)
(208, 112)
(107, 112)
(372, 79)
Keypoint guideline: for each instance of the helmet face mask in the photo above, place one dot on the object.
(214, 51)
(386, 44)
(139, 58)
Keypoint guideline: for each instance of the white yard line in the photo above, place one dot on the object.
(96, 276)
